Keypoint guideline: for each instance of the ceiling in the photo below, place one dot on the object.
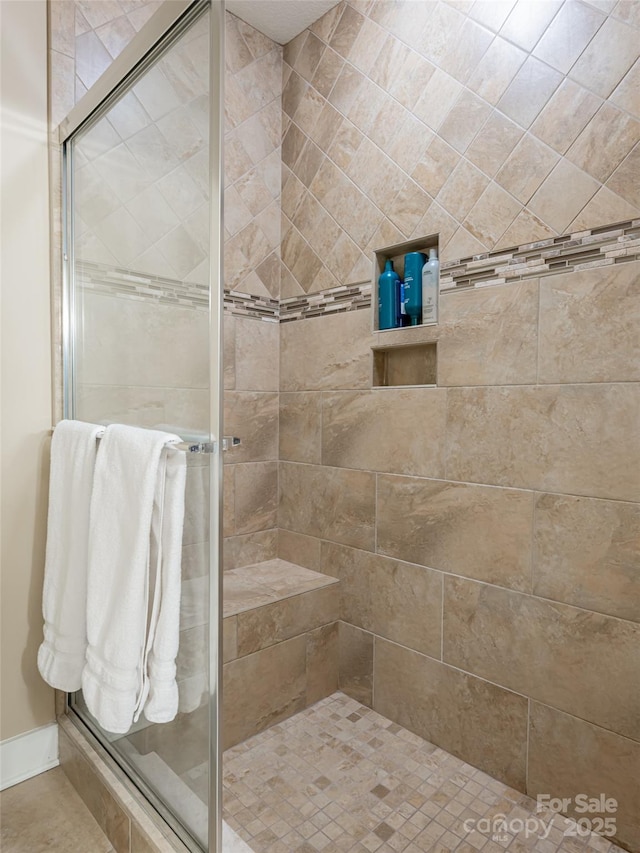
(281, 20)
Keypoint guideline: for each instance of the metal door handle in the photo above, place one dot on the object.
(230, 441)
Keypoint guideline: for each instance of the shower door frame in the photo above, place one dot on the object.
(165, 27)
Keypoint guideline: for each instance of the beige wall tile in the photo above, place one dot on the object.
(377, 430)
(356, 663)
(253, 416)
(264, 626)
(462, 189)
(526, 168)
(229, 351)
(625, 181)
(568, 756)
(300, 420)
(528, 21)
(604, 207)
(435, 165)
(627, 93)
(497, 68)
(250, 548)
(589, 325)
(462, 245)
(565, 116)
(488, 336)
(327, 72)
(600, 68)
(529, 91)
(586, 553)
(256, 355)
(256, 496)
(605, 142)
(504, 436)
(323, 660)
(326, 352)
(581, 662)
(483, 724)
(463, 121)
(399, 601)
(492, 214)
(300, 550)
(264, 688)
(330, 503)
(493, 143)
(525, 228)
(476, 531)
(346, 30)
(230, 638)
(491, 14)
(568, 34)
(466, 50)
(229, 508)
(439, 96)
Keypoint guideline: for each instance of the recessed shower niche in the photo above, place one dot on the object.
(405, 365)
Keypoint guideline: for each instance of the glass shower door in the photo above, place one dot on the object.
(143, 348)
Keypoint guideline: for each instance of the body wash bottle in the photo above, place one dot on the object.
(430, 288)
(388, 298)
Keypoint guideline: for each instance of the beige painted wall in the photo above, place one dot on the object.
(26, 701)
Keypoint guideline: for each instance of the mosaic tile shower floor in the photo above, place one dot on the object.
(340, 777)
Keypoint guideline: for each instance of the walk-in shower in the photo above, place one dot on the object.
(409, 595)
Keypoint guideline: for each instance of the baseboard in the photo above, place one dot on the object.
(28, 754)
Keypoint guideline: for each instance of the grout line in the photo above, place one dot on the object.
(442, 617)
(526, 754)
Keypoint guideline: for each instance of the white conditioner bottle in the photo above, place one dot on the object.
(430, 288)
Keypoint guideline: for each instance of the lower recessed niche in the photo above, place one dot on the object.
(414, 364)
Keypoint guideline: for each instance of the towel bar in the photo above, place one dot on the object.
(228, 443)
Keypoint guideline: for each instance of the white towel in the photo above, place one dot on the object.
(129, 470)
(164, 629)
(73, 456)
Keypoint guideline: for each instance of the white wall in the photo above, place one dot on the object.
(26, 702)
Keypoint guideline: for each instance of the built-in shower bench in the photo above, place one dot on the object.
(280, 644)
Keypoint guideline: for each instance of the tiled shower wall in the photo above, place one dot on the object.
(491, 123)
(485, 530)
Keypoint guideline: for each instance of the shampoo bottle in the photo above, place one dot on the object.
(413, 263)
(430, 288)
(388, 298)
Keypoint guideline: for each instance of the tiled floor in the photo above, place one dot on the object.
(46, 814)
(339, 777)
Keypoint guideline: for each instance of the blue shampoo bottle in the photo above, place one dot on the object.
(413, 263)
(388, 297)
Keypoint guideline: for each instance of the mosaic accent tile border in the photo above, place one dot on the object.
(338, 299)
(600, 247)
(101, 278)
(585, 250)
(117, 281)
(247, 305)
